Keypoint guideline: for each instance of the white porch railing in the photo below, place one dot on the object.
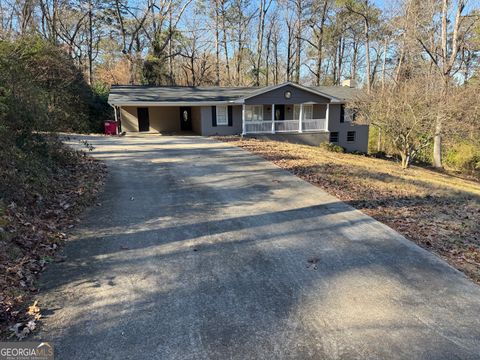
(285, 126)
(314, 124)
(256, 127)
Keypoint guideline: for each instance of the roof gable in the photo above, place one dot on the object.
(289, 85)
(277, 95)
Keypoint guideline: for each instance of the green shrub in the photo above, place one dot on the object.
(332, 147)
(464, 157)
(41, 89)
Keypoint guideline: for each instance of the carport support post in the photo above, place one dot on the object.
(243, 120)
(116, 119)
(273, 118)
(300, 119)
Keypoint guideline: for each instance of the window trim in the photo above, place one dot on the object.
(354, 136)
(221, 123)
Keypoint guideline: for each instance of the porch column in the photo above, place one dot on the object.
(327, 116)
(243, 120)
(273, 118)
(116, 120)
(300, 120)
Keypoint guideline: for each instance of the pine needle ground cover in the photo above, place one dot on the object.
(438, 211)
(44, 186)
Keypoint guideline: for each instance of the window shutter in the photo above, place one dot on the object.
(342, 113)
(214, 116)
(230, 116)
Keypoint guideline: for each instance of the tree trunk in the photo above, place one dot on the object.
(298, 48)
(335, 64)
(275, 54)
(260, 31)
(437, 145)
(367, 54)
(217, 46)
(353, 68)
(341, 51)
(405, 155)
(225, 42)
(267, 58)
(448, 61)
(384, 62)
(170, 49)
(289, 52)
(90, 42)
(320, 44)
(54, 21)
(379, 140)
(405, 160)
(239, 58)
(27, 13)
(132, 69)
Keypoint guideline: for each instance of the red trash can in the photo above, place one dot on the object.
(111, 127)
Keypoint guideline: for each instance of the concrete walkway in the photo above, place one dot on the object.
(204, 251)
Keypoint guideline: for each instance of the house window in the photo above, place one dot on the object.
(334, 137)
(307, 112)
(351, 136)
(222, 115)
(253, 112)
(349, 115)
(346, 115)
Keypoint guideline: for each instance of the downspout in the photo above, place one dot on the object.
(116, 118)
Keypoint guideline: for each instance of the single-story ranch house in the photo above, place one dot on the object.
(289, 111)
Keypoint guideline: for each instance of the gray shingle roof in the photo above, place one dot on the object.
(121, 94)
(132, 93)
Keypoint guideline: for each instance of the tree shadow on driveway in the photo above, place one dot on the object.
(227, 257)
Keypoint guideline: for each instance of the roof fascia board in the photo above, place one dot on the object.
(174, 103)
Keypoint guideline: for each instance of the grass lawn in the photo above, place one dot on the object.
(439, 212)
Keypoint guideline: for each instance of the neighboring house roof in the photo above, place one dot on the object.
(343, 93)
(178, 95)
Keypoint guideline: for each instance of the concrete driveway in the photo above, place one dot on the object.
(200, 250)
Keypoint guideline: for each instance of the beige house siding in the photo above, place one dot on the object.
(128, 118)
(197, 119)
(162, 118)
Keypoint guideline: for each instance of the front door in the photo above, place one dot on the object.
(186, 119)
(143, 119)
(279, 112)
